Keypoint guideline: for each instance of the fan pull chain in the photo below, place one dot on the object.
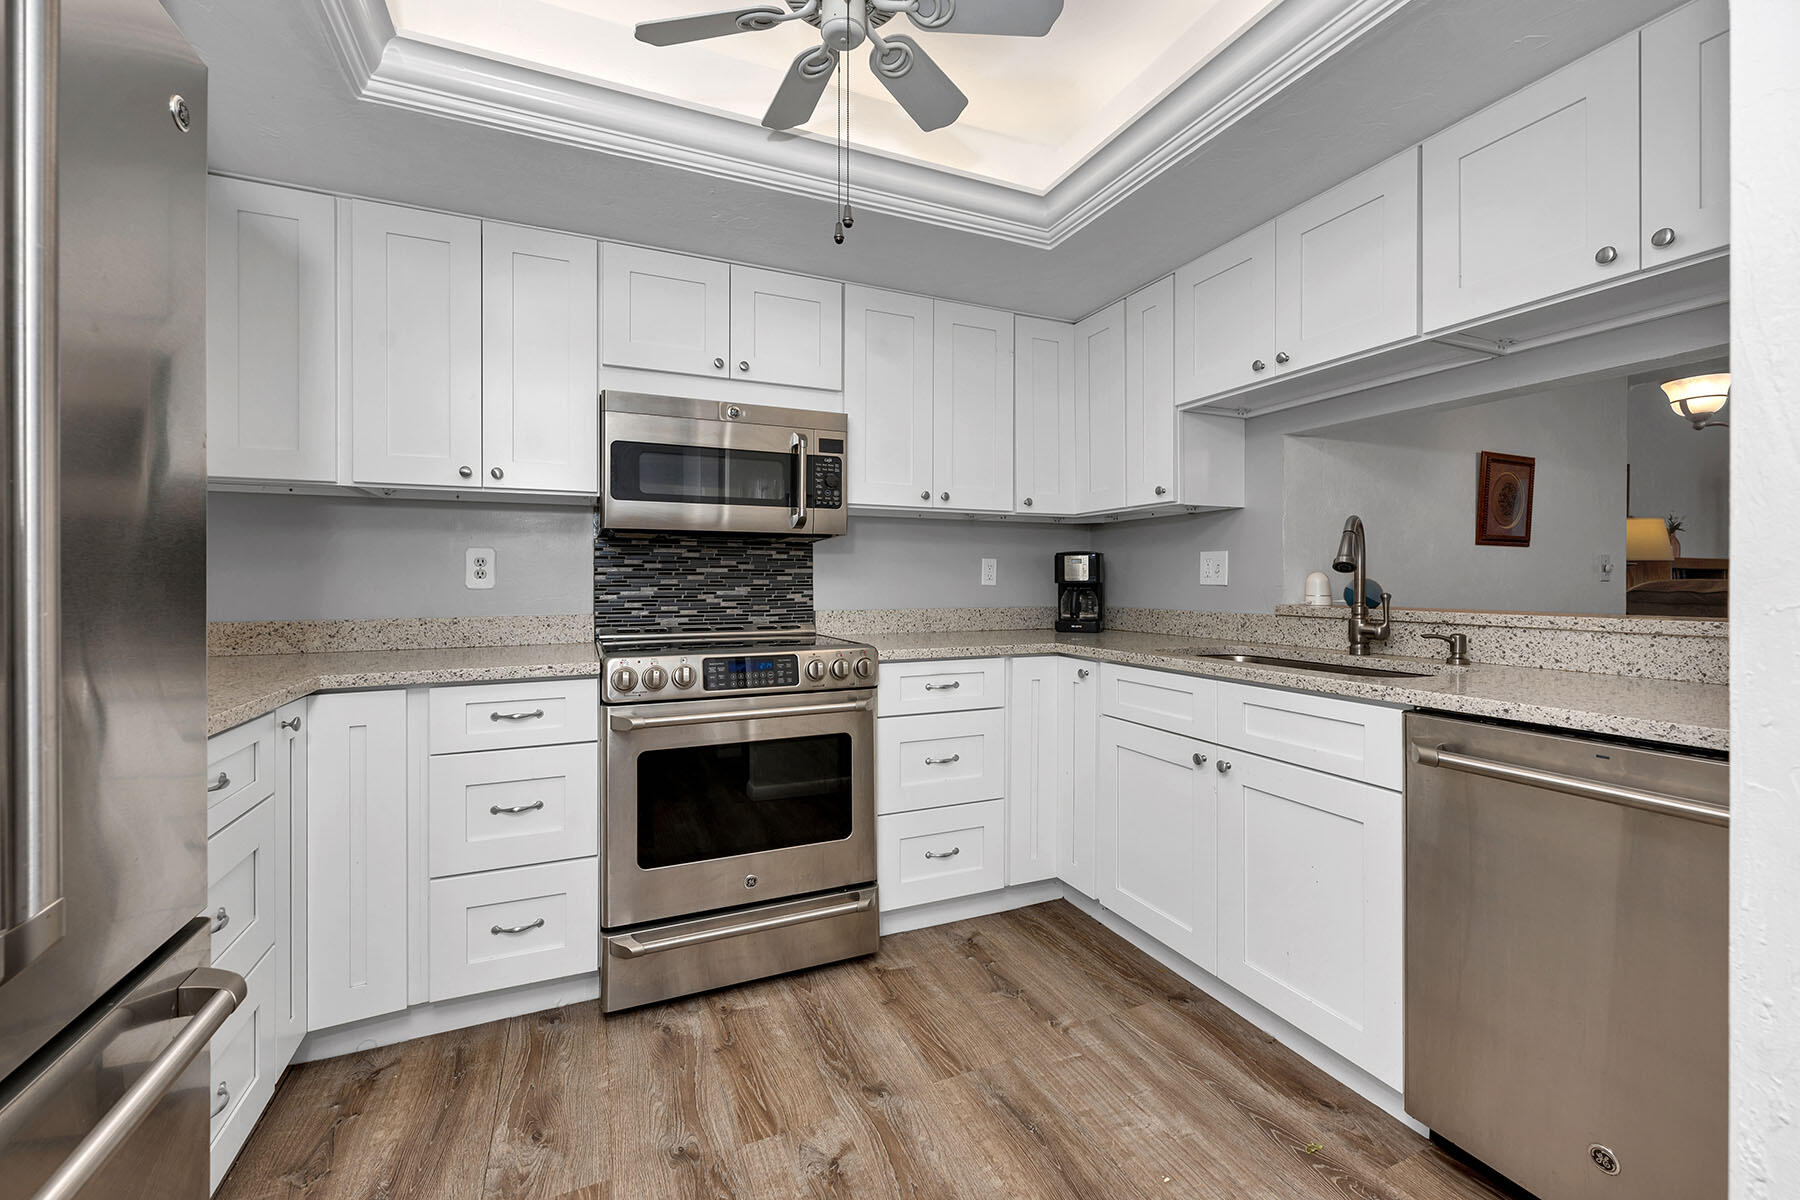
(848, 219)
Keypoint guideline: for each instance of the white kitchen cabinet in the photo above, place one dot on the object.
(1352, 738)
(1150, 449)
(1686, 96)
(1100, 408)
(271, 332)
(1045, 426)
(540, 360)
(931, 687)
(1310, 896)
(1157, 830)
(415, 345)
(1040, 775)
(1347, 267)
(288, 1003)
(1535, 195)
(972, 408)
(888, 384)
(501, 929)
(787, 329)
(940, 853)
(492, 809)
(664, 312)
(1166, 700)
(244, 1064)
(356, 857)
(1076, 838)
(241, 889)
(1225, 316)
(935, 759)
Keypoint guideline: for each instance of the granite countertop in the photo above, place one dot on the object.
(243, 687)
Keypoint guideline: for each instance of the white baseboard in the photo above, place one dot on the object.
(963, 907)
(423, 1020)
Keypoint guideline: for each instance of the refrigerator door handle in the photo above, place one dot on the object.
(209, 995)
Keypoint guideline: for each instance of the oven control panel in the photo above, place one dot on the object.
(744, 672)
(694, 674)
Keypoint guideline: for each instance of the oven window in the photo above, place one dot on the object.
(701, 802)
(702, 475)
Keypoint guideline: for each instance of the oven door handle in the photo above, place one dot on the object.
(798, 446)
(625, 723)
(627, 945)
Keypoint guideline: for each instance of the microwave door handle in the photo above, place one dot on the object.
(798, 446)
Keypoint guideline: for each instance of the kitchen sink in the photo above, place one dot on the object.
(1306, 664)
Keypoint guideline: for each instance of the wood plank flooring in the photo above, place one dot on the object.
(1029, 1054)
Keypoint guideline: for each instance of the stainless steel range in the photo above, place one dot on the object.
(739, 810)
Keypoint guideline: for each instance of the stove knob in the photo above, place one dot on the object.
(815, 670)
(864, 668)
(684, 676)
(840, 669)
(655, 678)
(624, 679)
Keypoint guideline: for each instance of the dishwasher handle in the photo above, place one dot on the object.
(1428, 754)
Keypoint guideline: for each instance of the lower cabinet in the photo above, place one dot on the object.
(940, 853)
(500, 929)
(246, 1064)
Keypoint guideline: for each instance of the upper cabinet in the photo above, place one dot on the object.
(1536, 195)
(887, 398)
(1100, 409)
(1044, 417)
(1687, 129)
(787, 329)
(271, 333)
(415, 373)
(1150, 418)
(1225, 316)
(539, 330)
(972, 408)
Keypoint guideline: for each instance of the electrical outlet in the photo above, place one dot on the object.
(478, 567)
(1215, 567)
(990, 572)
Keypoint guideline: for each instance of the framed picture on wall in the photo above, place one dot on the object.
(1503, 499)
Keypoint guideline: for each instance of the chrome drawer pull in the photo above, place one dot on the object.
(515, 809)
(224, 1095)
(533, 715)
(221, 919)
(952, 852)
(219, 784)
(938, 762)
(944, 687)
(537, 924)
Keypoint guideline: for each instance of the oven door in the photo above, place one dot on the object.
(713, 804)
(680, 473)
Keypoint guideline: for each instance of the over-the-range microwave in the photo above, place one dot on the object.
(711, 466)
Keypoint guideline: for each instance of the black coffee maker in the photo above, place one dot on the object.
(1079, 575)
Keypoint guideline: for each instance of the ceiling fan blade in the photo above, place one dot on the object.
(1015, 18)
(677, 30)
(918, 83)
(801, 88)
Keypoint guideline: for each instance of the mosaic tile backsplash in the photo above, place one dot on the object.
(700, 583)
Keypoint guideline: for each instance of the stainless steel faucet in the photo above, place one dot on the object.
(1352, 556)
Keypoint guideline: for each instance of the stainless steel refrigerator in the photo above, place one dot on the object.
(106, 996)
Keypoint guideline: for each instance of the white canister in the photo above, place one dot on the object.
(1318, 588)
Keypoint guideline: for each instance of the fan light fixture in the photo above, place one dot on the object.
(916, 83)
(1698, 397)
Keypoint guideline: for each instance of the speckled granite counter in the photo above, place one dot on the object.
(1656, 710)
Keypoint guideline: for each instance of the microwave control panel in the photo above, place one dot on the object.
(825, 487)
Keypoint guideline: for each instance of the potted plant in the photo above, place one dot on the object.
(1674, 525)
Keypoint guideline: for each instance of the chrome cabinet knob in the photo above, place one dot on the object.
(924, 495)
(1663, 238)
(684, 676)
(744, 365)
(624, 679)
(815, 670)
(1224, 767)
(1606, 255)
(655, 678)
(944, 496)
(1028, 502)
(1259, 365)
(1162, 491)
(293, 724)
(224, 1095)
(465, 472)
(497, 473)
(1081, 673)
(1282, 357)
(718, 364)
(1199, 760)
(221, 919)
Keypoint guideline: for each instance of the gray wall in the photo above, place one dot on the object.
(1676, 469)
(910, 562)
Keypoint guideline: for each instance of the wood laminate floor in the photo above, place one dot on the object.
(1029, 1054)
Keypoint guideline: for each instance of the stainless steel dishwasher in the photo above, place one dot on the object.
(1566, 959)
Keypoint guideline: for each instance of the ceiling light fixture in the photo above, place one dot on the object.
(1698, 397)
(916, 83)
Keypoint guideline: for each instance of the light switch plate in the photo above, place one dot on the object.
(1215, 567)
(990, 572)
(478, 567)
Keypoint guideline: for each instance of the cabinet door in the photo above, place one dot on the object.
(540, 360)
(1310, 904)
(289, 1001)
(1039, 769)
(1044, 421)
(1150, 441)
(1225, 316)
(1687, 129)
(787, 329)
(1536, 195)
(1347, 267)
(1079, 697)
(887, 397)
(1100, 409)
(664, 312)
(972, 408)
(415, 377)
(1156, 822)
(356, 865)
(271, 332)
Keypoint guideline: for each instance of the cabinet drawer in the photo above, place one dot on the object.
(928, 687)
(240, 771)
(941, 853)
(501, 929)
(1342, 737)
(502, 716)
(513, 808)
(240, 889)
(1160, 699)
(244, 1068)
(935, 759)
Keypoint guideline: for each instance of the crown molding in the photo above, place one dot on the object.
(1289, 41)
